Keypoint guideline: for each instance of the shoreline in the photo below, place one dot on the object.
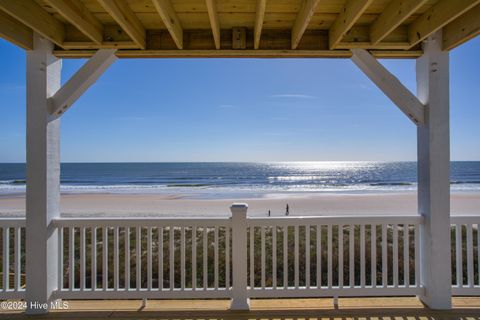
(186, 205)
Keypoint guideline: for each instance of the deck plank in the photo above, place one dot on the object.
(368, 308)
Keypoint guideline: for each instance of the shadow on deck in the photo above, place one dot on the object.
(281, 309)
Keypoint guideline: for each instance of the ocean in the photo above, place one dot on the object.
(218, 180)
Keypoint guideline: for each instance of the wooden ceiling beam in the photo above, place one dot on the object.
(393, 16)
(350, 13)
(260, 15)
(128, 21)
(170, 19)
(303, 19)
(462, 29)
(79, 16)
(36, 18)
(214, 22)
(381, 54)
(442, 13)
(15, 32)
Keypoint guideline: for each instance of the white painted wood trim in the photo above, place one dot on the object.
(239, 291)
(433, 143)
(43, 175)
(81, 81)
(390, 85)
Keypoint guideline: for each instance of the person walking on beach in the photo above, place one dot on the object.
(287, 210)
(269, 213)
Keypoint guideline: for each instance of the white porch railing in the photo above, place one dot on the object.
(157, 258)
(144, 258)
(466, 260)
(332, 256)
(13, 258)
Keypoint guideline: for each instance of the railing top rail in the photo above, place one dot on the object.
(141, 222)
(225, 221)
(465, 219)
(12, 222)
(335, 220)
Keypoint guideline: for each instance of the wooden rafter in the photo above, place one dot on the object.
(15, 32)
(214, 22)
(393, 15)
(124, 16)
(350, 13)
(303, 19)
(436, 17)
(260, 15)
(36, 18)
(170, 19)
(465, 27)
(79, 16)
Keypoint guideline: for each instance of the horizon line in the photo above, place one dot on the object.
(276, 161)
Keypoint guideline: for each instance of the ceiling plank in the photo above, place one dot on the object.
(124, 16)
(393, 15)
(462, 29)
(350, 13)
(15, 32)
(214, 23)
(79, 16)
(260, 16)
(442, 13)
(35, 17)
(170, 19)
(303, 19)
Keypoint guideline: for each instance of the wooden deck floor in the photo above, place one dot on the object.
(282, 309)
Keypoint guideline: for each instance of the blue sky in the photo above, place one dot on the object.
(239, 110)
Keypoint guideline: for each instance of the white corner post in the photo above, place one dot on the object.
(433, 143)
(46, 102)
(429, 111)
(43, 176)
(240, 300)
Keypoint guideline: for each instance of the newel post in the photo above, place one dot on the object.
(240, 300)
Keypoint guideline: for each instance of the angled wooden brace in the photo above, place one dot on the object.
(81, 81)
(390, 85)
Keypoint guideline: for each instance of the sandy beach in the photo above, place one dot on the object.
(300, 204)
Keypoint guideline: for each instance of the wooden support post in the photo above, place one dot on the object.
(240, 300)
(433, 143)
(43, 176)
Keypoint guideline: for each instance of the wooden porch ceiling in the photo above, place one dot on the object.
(239, 28)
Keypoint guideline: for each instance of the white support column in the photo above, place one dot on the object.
(240, 300)
(43, 176)
(434, 173)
